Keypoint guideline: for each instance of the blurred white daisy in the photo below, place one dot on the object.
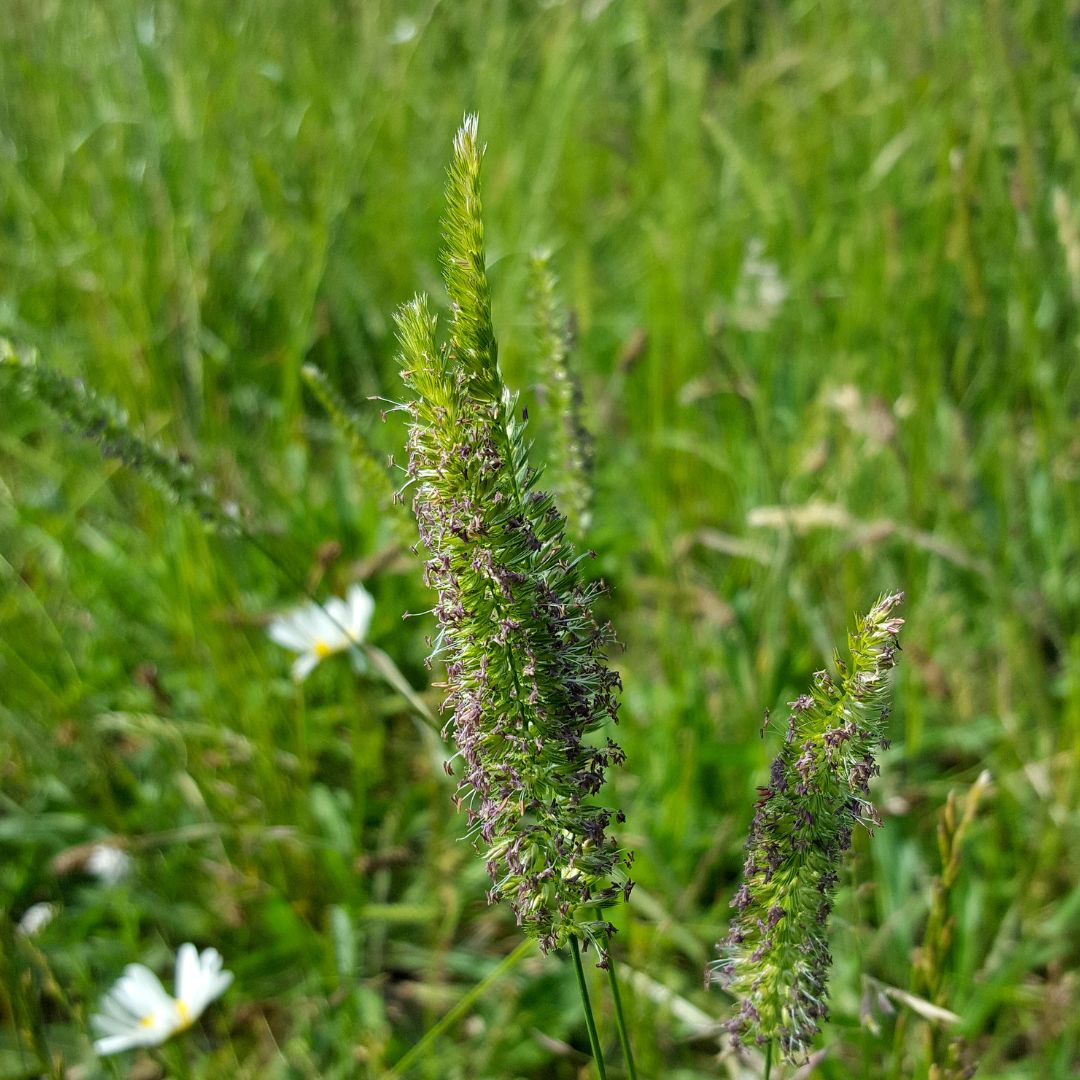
(108, 863)
(404, 30)
(138, 1012)
(761, 291)
(36, 917)
(317, 631)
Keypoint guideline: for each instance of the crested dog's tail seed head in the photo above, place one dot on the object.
(528, 688)
(776, 958)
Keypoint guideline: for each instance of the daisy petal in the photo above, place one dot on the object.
(332, 609)
(220, 982)
(114, 1044)
(361, 607)
(303, 666)
(188, 974)
(212, 986)
(109, 1025)
(286, 634)
(138, 992)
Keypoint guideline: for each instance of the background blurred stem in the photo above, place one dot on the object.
(417, 1052)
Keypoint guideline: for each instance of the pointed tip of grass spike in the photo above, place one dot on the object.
(466, 134)
(472, 337)
(468, 153)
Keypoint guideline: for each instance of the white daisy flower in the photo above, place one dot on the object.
(138, 1012)
(108, 863)
(36, 917)
(317, 631)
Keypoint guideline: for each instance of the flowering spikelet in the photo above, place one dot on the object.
(776, 958)
(372, 472)
(103, 422)
(571, 441)
(526, 679)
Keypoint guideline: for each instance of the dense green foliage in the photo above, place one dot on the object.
(824, 261)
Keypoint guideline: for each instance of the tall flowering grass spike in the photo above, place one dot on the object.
(100, 420)
(138, 1012)
(373, 473)
(572, 445)
(526, 679)
(776, 957)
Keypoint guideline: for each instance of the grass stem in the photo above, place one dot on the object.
(620, 1022)
(419, 1049)
(590, 1023)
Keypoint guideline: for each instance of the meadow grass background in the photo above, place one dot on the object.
(197, 198)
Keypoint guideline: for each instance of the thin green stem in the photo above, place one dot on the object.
(768, 1060)
(379, 659)
(417, 1051)
(174, 1059)
(391, 673)
(620, 1022)
(590, 1023)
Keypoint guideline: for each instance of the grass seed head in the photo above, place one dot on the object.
(776, 957)
(527, 683)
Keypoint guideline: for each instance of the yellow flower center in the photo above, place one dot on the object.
(322, 650)
(184, 1013)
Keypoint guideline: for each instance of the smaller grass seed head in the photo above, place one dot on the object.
(776, 957)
